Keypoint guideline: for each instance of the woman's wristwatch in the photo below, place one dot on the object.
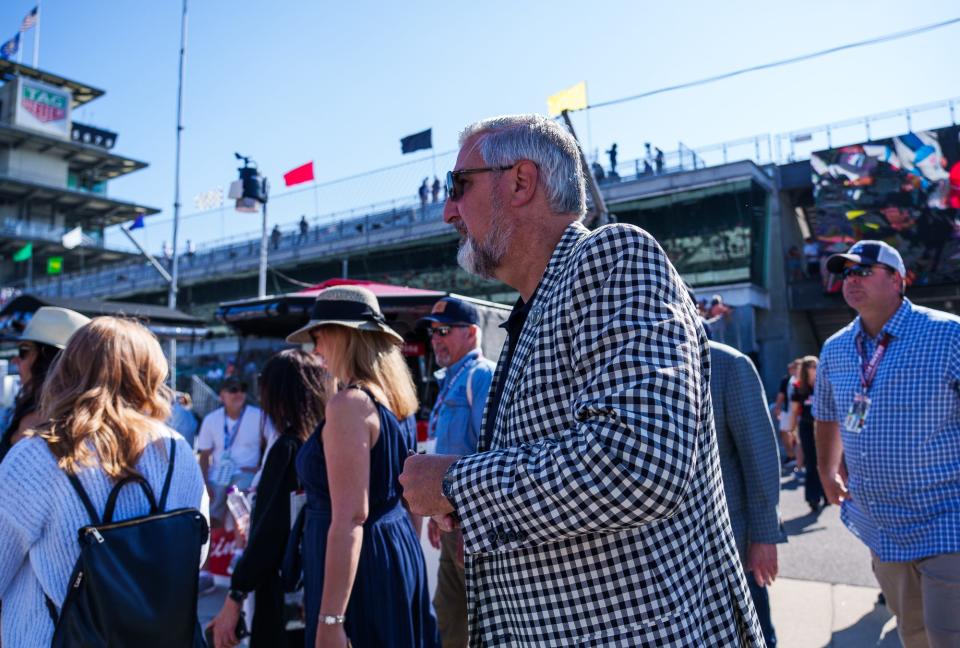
(332, 619)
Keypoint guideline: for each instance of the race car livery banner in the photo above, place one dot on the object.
(903, 190)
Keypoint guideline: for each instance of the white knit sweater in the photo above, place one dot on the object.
(39, 517)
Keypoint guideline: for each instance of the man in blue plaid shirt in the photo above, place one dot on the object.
(887, 406)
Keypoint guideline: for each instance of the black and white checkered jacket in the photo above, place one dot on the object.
(596, 516)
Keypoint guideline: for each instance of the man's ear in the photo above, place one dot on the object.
(526, 176)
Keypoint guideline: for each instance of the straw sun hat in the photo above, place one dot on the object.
(350, 306)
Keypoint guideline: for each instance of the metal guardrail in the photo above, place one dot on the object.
(335, 240)
(13, 228)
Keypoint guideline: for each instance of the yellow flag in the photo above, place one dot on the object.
(573, 98)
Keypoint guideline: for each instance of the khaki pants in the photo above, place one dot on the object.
(925, 596)
(450, 599)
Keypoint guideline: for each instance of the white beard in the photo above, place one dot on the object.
(483, 258)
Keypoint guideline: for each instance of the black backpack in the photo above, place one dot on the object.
(135, 582)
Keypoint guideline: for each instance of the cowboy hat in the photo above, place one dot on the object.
(53, 325)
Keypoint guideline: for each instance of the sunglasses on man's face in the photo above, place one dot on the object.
(859, 271)
(233, 390)
(443, 331)
(455, 186)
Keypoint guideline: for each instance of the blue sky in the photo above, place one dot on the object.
(340, 83)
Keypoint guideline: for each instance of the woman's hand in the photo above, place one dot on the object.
(225, 625)
(331, 636)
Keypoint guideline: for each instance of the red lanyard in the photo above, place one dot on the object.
(868, 369)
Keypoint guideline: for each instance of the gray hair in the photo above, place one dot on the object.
(511, 138)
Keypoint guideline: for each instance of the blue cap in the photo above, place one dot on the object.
(451, 310)
(868, 253)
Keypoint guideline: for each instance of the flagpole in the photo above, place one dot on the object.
(174, 266)
(36, 39)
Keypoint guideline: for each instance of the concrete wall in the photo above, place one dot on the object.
(33, 167)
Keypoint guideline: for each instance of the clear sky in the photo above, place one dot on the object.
(340, 83)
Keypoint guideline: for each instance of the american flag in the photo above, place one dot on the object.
(30, 20)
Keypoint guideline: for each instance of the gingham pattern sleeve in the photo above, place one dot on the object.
(629, 456)
(824, 403)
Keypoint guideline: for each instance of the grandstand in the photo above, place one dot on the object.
(726, 214)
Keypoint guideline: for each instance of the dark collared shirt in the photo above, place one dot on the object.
(513, 326)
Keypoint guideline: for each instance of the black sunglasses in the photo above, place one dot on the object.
(455, 179)
(859, 271)
(24, 350)
(443, 331)
(234, 390)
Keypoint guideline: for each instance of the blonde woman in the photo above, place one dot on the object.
(365, 581)
(104, 403)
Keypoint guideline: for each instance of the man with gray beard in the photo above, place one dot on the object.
(593, 513)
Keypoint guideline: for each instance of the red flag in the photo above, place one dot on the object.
(302, 173)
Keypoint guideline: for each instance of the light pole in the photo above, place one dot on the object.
(174, 272)
(251, 192)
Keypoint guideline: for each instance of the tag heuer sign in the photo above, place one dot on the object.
(43, 107)
(43, 104)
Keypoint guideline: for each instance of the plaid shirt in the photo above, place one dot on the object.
(597, 516)
(904, 466)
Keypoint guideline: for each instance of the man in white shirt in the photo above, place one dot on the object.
(230, 442)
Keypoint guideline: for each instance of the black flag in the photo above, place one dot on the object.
(417, 141)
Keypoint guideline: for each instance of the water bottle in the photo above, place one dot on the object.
(239, 509)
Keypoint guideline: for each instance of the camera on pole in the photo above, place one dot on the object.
(251, 190)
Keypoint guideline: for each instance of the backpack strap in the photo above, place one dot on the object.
(162, 504)
(82, 494)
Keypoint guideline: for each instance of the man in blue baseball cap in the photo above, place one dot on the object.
(464, 381)
(887, 411)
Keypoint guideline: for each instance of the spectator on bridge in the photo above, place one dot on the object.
(648, 160)
(598, 172)
(304, 230)
(275, 237)
(191, 248)
(659, 160)
(424, 192)
(435, 189)
(40, 343)
(613, 158)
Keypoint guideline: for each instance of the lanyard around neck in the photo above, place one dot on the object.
(868, 368)
(230, 436)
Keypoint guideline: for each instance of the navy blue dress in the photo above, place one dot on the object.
(390, 601)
